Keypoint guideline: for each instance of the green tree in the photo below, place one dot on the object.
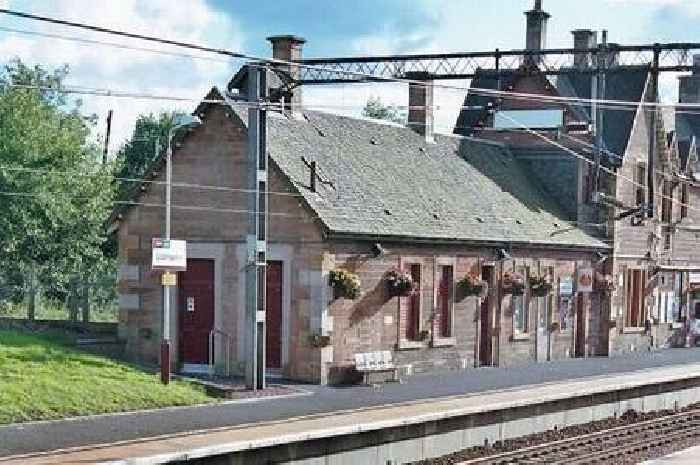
(147, 140)
(374, 108)
(55, 195)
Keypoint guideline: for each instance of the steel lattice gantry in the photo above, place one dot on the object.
(661, 57)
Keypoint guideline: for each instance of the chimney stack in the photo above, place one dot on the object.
(689, 85)
(536, 32)
(289, 48)
(420, 104)
(584, 39)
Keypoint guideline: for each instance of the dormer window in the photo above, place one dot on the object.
(550, 119)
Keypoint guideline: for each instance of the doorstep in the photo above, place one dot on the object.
(234, 388)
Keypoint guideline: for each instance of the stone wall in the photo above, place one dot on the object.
(377, 321)
(214, 223)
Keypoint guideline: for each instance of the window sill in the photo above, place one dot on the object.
(633, 330)
(405, 344)
(444, 342)
(520, 337)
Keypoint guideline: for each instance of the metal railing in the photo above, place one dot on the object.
(227, 340)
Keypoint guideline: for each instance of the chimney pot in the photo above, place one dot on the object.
(420, 104)
(288, 48)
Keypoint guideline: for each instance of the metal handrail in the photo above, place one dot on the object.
(227, 338)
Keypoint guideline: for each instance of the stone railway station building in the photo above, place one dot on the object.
(489, 201)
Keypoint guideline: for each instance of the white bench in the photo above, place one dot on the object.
(375, 362)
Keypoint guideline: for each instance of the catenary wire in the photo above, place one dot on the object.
(603, 168)
(242, 55)
(147, 181)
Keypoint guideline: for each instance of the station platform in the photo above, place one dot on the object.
(427, 416)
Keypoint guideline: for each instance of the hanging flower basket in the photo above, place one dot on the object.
(399, 283)
(424, 335)
(604, 282)
(540, 286)
(345, 284)
(472, 285)
(320, 341)
(513, 283)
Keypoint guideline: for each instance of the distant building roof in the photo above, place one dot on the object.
(622, 83)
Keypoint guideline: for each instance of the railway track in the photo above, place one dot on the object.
(615, 445)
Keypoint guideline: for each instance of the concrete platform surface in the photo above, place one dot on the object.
(689, 456)
(205, 443)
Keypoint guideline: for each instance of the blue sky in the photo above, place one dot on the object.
(332, 28)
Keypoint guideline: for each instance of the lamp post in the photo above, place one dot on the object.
(180, 121)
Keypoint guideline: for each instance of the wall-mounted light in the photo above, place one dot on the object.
(378, 250)
(600, 258)
(502, 255)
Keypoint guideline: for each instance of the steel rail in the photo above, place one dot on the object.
(602, 445)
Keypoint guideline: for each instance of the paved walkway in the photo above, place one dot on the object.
(188, 446)
(45, 436)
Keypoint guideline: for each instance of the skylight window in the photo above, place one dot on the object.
(530, 119)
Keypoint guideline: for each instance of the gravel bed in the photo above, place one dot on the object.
(628, 418)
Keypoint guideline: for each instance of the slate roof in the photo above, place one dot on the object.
(622, 83)
(389, 182)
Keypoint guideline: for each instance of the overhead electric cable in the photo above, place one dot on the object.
(233, 54)
(607, 170)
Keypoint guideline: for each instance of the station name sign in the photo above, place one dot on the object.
(169, 255)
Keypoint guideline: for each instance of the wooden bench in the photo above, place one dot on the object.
(375, 362)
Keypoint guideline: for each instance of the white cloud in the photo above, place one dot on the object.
(689, 6)
(123, 69)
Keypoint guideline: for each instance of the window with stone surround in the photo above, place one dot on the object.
(666, 201)
(445, 300)
(635, 280)
(519, 305)
(684, 200)
(641, 183)
(413, 307)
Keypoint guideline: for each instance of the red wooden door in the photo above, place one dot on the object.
(485, 320)
(273, 316)
(196, 310)
(580, 344)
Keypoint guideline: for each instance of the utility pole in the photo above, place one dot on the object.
(597, 112)
(654, 91)
(107, 134)
(256, 266)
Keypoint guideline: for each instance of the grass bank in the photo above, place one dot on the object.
(43, 377)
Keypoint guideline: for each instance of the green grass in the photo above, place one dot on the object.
(42, 377)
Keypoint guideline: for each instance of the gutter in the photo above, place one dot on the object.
(337, 236)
